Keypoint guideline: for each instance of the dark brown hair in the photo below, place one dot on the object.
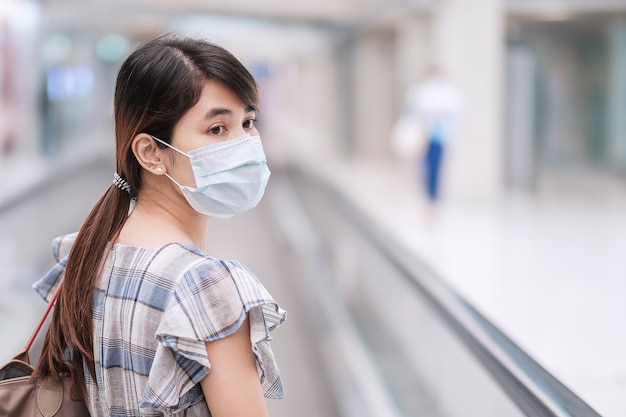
(156, 85)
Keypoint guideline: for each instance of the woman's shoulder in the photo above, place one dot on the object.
(207, 271)
(184, 265)
(209, 280)
(61, 245)
(48, 284)
(174, 256)
(210, 302)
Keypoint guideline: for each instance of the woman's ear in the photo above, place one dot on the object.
(148, 154)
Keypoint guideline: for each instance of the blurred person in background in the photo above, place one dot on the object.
(146, 322)
(432, 110)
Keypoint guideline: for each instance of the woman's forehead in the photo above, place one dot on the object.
(217, 99)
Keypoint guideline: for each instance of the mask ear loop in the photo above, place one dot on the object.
(174, 181)
(177, 150)
(170, 146)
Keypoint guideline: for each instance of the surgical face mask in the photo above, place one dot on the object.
(230, 176)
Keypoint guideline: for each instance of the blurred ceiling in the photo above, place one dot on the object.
(334, 13)
(268, 27)
(130, 15)
(277, 26)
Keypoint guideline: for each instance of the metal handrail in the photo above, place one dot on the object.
(535, 391)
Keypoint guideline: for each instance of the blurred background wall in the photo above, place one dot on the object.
(543, 82)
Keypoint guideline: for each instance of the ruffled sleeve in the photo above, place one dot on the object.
(48, 284)
(210, 302)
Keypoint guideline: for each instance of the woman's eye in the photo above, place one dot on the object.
(249, 124)
(217, 130)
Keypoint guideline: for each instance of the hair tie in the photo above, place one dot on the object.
(121, 183)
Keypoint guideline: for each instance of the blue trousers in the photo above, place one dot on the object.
(432, 168)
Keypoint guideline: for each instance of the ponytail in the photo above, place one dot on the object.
(71, 326)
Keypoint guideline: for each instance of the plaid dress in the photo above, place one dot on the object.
(153, 310)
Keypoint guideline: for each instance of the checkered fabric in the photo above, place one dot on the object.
(153, 311)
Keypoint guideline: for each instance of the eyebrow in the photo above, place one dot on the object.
(223, 111)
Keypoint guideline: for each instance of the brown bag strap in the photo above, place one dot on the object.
(41, 322)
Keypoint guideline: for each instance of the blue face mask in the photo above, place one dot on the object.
(230, 176)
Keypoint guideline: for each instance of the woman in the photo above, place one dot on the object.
(148, 323)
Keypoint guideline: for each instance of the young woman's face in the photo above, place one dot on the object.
(219, 115)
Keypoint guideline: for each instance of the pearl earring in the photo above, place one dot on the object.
(159, 169)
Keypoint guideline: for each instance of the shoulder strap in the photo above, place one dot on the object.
(41, 321)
